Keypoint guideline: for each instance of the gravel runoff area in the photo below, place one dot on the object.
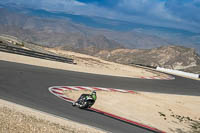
(19, 119)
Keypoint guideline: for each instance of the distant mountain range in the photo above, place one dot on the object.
(92, 34)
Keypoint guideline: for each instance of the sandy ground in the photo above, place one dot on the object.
(19, 119)
(170, 113)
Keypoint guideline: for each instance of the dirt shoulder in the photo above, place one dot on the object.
(170, 113)
(15, 118)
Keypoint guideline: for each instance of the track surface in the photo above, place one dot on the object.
(28, 85)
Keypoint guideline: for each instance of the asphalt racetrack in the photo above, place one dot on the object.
(28, 85)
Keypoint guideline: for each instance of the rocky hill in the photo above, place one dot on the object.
(173, 57)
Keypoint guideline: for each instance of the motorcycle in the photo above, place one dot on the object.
(85, 102)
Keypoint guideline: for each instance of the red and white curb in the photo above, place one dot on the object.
(59, 92)
(159, 78)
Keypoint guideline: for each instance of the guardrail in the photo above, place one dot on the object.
(142, 65)
(181, 73)
(15, 50)
(170, 71)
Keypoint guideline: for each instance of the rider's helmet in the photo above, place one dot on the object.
(93, 94)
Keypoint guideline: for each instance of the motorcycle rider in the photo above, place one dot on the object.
(92, 95)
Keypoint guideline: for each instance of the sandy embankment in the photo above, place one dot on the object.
(162, 111)
(17, 119)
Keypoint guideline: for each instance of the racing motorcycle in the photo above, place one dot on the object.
(84, 102)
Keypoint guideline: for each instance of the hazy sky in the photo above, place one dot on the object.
(184, 14)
